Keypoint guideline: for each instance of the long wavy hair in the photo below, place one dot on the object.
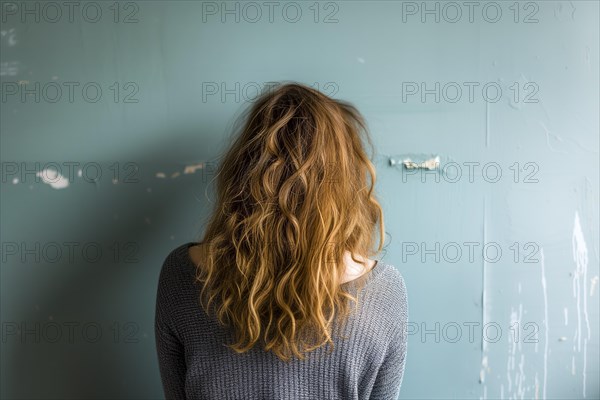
(295, 191)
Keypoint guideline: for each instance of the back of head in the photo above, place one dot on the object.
(294, 193)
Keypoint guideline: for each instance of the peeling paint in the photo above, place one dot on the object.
(9, 68)
(593, 284)
(580, 256)
(521, 377)
(484, 368)
(514, 344)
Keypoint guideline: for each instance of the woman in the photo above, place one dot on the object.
(298, 311)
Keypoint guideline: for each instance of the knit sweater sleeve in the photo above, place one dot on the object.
(170, 350)
(389, 376)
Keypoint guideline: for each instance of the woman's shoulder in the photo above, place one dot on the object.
(391, 278)
(177, 264)
(389, 288)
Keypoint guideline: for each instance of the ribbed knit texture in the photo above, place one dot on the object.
(195, 363)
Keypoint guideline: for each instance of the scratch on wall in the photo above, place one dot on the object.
(484, 307)
(559, 9)
(514, 101)
(548, 134)
(484, 316)
(573, 10)
(487, 124)
(544, 289)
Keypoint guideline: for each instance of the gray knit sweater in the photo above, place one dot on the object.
(194, 363)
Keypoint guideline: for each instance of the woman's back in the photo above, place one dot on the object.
(258, 312)
(195, 363)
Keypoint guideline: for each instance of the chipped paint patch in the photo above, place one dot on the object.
(431, 164)
(192, 168)
(53, 178)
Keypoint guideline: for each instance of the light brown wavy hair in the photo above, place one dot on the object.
(294, 192)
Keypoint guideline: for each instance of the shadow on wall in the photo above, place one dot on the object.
(83, 335)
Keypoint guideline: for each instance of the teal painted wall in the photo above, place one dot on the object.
(130, 92)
